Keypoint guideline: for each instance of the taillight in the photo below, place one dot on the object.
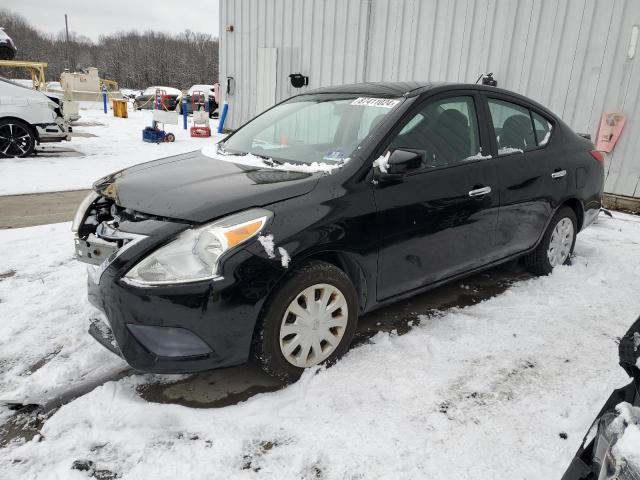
(597, 154)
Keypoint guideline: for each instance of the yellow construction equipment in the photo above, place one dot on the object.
(35, 69)
(112, 85)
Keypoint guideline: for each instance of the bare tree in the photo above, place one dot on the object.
(134, 59)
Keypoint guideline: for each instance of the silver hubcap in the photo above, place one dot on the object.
(14, 140)
(313, 325)
(560, 243)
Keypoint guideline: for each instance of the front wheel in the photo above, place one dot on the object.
(16, 139)
(309, 320)
(557, 243)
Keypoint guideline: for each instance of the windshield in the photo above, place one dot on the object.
(321, 128)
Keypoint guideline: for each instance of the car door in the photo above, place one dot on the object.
(438, 220)
(531, 179)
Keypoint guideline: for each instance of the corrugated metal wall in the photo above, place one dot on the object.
(570, 55)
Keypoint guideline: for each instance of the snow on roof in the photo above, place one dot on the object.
(200, 88)
(168, 90)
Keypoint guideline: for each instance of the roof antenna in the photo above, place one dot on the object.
(488, 80)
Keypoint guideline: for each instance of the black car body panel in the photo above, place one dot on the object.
(196, 188)
(392, 238)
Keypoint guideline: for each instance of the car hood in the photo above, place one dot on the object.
(197, 188)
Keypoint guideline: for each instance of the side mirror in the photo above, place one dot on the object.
(399, 163)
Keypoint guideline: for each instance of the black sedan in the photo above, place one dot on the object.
(328, 205)
(600, 456)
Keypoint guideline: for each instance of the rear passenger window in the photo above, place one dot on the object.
(542, 127)
(513, 127)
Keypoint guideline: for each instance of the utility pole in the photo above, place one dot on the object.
(66, 26)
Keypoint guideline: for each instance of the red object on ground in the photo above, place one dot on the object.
(200, 132)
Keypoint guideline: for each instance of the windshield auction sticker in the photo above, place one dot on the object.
(375, 102)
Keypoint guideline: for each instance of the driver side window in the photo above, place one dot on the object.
(444, 132)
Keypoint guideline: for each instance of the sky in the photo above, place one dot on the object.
(93, 18)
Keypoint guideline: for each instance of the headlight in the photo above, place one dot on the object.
(82, 209)
(194, 254)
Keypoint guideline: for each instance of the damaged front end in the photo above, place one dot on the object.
(96, 228)
(168, 325)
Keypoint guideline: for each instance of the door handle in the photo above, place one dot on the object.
(479, 192)
(558, 174)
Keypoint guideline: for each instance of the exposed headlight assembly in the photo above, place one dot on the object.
(193, 256)
(82, 210)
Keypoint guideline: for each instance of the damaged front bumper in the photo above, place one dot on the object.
(54, 132)
(100, 330)
(179, 328)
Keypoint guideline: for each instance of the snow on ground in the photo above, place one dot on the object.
(476, 392)
(102, 144)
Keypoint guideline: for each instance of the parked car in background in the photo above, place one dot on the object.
(170, 98)
(29, 117)
(331, 204)
(206, 98)
(8, 49)
(610, 449)
(130, 94)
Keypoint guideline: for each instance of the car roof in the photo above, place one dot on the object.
(415, 88)
(397, 89)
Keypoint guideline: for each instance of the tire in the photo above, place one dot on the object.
(170, 137)
(7, 53)
(17, 139)
(547, 256)
(270, 344)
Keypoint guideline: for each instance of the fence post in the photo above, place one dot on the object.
(104, 98)
(223, 116)
(184, 112)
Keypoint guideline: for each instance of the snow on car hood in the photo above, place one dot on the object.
(216, 151)
(627, 424)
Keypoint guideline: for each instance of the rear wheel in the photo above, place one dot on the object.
(557, 244)
(16, 139)
(309, 320)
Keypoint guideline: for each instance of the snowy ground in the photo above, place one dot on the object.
(101, 144)
(478, 392)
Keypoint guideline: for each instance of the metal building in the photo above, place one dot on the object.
(580, 58)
